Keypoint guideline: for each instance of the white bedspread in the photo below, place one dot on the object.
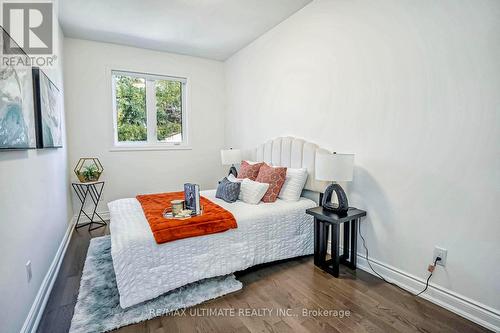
(144, 269)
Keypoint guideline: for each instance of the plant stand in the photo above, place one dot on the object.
(94, 191)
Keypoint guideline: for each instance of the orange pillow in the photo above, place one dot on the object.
(275, 177)
(250, 171)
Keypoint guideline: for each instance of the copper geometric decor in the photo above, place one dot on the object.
(88, 169)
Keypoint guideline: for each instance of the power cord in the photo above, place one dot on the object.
(430, 268)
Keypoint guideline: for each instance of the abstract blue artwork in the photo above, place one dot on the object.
(17, 116)
(48, 110)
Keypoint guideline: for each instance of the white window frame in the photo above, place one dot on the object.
(152, 143)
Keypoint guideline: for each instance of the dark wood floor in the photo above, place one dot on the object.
(373, 305)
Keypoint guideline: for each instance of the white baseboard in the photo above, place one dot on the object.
(452, 301)
(36, 311)
(33, 319)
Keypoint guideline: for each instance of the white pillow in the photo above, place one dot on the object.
(293, 185)
(233, 179)
(251, 191)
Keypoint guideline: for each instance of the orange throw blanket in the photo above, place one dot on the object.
(214, 218)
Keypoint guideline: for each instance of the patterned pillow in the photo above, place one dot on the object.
(228, 191)
(275, 177)
(248, 170)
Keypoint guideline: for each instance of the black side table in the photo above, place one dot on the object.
(94, 191)
(322, 220)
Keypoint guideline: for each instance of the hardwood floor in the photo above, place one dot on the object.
(296, 285)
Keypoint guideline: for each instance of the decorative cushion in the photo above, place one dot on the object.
(250, 171)
(228, 191)
(251, 191)
(233, 179)
(275, 177)
(294, 184)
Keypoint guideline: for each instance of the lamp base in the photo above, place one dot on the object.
(233, 171)
(339, 208)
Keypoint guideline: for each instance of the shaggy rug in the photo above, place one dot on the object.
(98, 307)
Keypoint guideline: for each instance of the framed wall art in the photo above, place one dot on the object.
(47, 111)
(17, 116)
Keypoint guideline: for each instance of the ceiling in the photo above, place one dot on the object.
(213, 29)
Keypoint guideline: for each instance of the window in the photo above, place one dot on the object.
(149, 110)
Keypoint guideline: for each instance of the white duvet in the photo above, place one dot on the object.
(144, 269)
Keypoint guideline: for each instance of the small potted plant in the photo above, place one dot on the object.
(88, 169)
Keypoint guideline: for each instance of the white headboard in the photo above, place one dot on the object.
(292, 153)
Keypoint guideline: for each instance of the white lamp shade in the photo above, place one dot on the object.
(230, 156)
(334, 167)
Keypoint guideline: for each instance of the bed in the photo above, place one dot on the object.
(266, 232)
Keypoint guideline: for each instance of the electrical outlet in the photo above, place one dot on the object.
(28, 270)
(441, 253)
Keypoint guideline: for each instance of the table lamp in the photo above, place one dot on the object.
(334, 167)
(231, 157)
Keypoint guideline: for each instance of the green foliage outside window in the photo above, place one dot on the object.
(131, 104)
(168, 108)
(132, 113)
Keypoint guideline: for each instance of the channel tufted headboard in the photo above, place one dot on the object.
(293, 153)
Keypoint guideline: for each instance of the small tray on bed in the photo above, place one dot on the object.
(168, 214)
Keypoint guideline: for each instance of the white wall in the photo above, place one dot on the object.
(413, 89)
(90, 126)
(35, 210)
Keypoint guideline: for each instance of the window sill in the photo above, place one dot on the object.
(149, 148)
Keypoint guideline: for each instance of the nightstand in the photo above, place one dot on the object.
(323, 219)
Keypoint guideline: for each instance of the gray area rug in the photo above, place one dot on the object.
(98, 306)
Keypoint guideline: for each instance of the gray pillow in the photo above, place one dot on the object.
(227, 190)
